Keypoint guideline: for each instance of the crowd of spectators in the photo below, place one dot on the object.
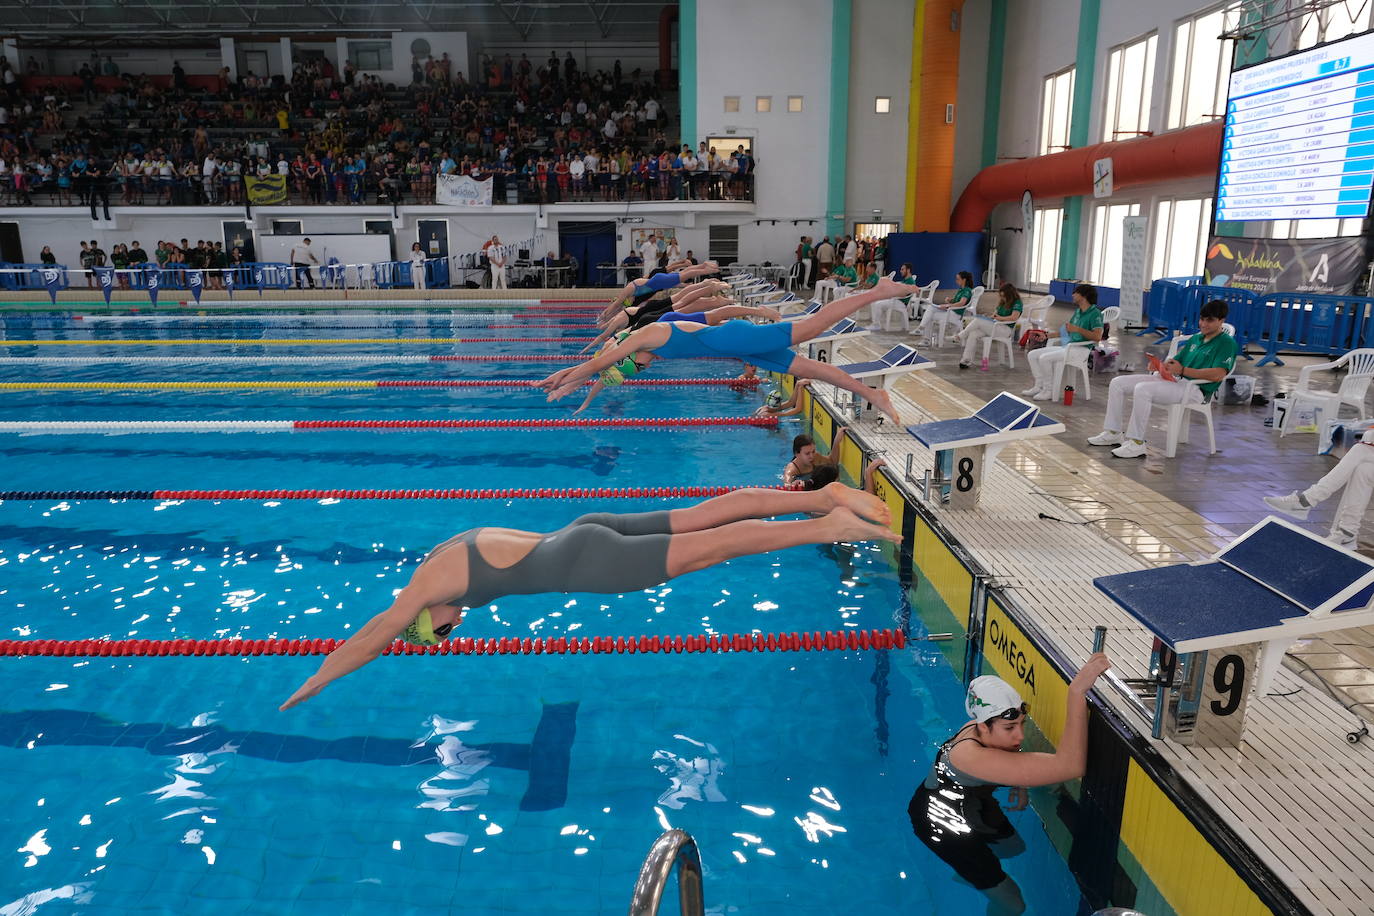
(544, 134)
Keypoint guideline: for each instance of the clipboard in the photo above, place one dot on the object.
(1157, 366)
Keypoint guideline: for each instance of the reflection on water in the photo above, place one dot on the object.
(691, 776)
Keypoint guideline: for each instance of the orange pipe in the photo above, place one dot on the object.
(1189, 153)
(934, 153)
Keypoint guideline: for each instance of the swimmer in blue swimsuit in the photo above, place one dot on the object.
(600, 553)
(642, 288)
(702, 298)
(766, 346)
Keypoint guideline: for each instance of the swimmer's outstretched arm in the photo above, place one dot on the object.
(363, 646)
(618, 322)
(562, 382)
(689, 294)
(597, 387)
(725, 312)
(625, 293)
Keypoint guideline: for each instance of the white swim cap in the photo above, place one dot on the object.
(989, 696)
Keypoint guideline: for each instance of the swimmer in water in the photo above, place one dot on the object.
(953, 811)
(599, 553)
(767, 346)
(641, 288)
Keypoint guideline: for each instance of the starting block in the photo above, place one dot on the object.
(963, 446)
(826, 347)
(1223, 626)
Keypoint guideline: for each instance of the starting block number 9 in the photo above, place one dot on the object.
(1228, 685)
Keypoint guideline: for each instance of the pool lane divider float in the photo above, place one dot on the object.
(286, 341)
(356, 384)
(265, 426)
(302, 360)
(821, 641)
(508, 493)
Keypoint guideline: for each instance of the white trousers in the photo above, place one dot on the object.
(1145, 391)
(498, 276)
(930, 322)
(1044, 362)
(978, 332)
(1355, 473)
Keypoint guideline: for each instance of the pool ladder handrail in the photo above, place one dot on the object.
(674, 848)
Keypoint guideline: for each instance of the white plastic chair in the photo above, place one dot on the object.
(950, 319)
(1359, 365)
(922, 299)
(1033, 317)
(1077, 355)
(1181, 415)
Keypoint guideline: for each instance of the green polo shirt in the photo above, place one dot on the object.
(1089, 320)
(909, 281)
(962, 294)
(1218, 353)
(1006, 311)
(845, 273)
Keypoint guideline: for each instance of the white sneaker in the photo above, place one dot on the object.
(1130, 449)
(1032, 391)
(1288, 505)
(1107, 437)
(1044, 394)
(1344, 539)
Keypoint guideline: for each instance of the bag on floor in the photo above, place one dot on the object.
(1238, 389)
(1103, 361)
(1034, 339)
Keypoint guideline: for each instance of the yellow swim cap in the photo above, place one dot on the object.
(420, 632)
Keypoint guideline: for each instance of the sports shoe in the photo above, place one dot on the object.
(1107, 437)
(963, 365)
(1044, 394)
(1344, 539)
(1289, 505)
(1032, 391)
(1130, 449)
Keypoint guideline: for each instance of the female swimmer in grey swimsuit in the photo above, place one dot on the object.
(602, 553)
(766, 346)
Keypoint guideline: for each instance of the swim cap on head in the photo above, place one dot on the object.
(616, 374)
(990, 696)
(420, 632)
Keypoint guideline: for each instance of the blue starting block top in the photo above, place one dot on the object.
(1005, 418)
(1275, 581)
(900, 356)
(844, 326)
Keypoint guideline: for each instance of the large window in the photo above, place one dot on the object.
(1056, 111)
(1314, 228)
(1044, 256)
(1181, 234)
(1201, 70)
(1104, 258)
(1332, 22)
(1130, 79)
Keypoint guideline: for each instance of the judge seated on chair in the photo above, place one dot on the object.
(1191, 376)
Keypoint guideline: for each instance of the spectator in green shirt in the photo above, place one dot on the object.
(1207, 357)
(998, 324)
(1084, 324)
(952, 311)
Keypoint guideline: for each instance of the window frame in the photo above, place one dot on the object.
(1112, 101)
(1176, 109)
(1049, 90)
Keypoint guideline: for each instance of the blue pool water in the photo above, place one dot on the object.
(437, 784)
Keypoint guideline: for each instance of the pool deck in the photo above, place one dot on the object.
(1296, 791)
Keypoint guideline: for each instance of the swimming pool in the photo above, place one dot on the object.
(465, 784)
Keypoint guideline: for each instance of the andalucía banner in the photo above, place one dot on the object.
(269, 190)
(1328, 266)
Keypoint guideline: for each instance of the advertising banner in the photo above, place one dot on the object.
(269, 190)
(462, 191)
(1134, 232)
(1329, 266)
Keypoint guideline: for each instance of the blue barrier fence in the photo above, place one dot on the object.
(30, 276)
(1319, 324)
(255, 276)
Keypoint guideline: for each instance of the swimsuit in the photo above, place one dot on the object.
(955, 815)
(601, 552)
(767, 346)
(698, 317)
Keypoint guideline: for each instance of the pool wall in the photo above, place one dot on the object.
(1133, 833)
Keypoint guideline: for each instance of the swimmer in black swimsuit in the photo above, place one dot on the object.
(953, 811)
(603, 554)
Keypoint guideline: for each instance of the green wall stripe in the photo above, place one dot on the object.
(840, 26)
(687, 69)
(1084, 74)
(992, 95)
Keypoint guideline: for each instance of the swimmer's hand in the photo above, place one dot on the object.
(890, 288)
(1092, 669)
(774, 314)
(306, 691)
(550, 382)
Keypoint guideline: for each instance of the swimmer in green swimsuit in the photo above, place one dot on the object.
(764, 345)
(602, 554)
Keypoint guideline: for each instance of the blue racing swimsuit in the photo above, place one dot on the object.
(698, 317)
(767, 346)
(655, 284)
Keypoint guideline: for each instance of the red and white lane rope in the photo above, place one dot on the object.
(701, 643)
(266, 426)
(353, 384)
(287, 360)
(357, 494)
(285, 341)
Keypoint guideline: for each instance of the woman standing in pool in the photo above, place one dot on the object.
(953, 811)
(767, 346)
(600, 553)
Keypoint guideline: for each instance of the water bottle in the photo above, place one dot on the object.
(1068, 395)
(984, 366)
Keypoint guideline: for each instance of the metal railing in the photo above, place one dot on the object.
(675, 848)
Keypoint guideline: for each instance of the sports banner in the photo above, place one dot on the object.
(269, 190)
(1262, 266)
(154, 276)
(52, 279)
(106, 275)
(229, 281)
(462, 191)
(195, 279)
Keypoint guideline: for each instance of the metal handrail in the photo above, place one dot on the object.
(675, 848)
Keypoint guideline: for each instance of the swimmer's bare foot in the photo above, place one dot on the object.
(883, 401)
(857, 501)
(849, 527)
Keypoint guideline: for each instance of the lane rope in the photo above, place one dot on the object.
(355, 384)
(285, 360)
(701, 643)
(262, 426)
(356, 494)
(287, 341)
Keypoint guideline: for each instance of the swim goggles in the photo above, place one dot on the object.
(1014, 714)
(422, 631)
